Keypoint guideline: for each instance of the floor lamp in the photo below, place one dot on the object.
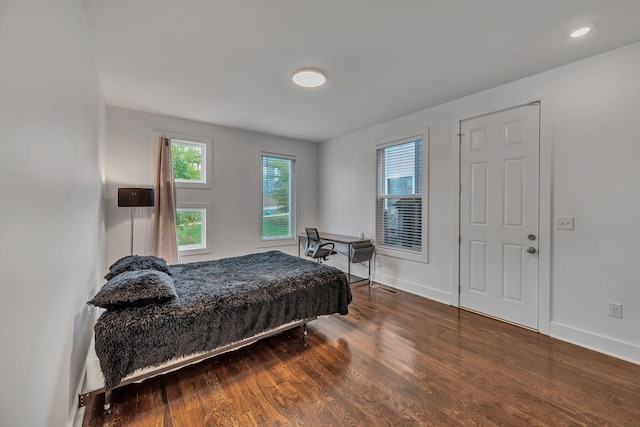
(133, 198)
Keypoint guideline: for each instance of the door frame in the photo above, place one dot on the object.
(545, 204)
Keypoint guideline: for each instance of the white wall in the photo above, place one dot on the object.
(589, 155)
(51, 208)
(233, 226)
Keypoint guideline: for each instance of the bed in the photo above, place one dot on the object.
(161, 317)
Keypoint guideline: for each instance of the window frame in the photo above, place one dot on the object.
(201, 248)
(279, 241)
(207, 146)
(417, 256)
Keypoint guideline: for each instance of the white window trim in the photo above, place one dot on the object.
(197, 249)
(195, 139)
(285, 241)
(186, 183)
(423, 256)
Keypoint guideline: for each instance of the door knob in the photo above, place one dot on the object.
(531, 250)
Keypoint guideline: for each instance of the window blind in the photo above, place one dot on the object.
(278, 197)
(399, 196)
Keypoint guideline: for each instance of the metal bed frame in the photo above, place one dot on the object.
(173, 365)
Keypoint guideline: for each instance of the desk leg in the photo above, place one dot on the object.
(349, 261)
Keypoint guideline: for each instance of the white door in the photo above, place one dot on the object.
(499, 198)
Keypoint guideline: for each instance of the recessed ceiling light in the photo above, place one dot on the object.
(309, 77)
(580, 32)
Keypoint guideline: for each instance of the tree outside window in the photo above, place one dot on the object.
(277, 198)
(188, 165)
(191, 226)
(189, 161)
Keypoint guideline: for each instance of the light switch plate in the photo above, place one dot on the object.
(564, 222)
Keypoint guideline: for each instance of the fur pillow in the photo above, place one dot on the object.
(137, 262)
(135, 289)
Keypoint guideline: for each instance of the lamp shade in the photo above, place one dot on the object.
(135, 197)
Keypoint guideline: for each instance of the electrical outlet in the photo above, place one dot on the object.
(564, 222)
(615, 310)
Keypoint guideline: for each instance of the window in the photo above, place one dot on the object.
(192, 228)
(399, 196)
(278, 197)
(191, 158)
(189, 161)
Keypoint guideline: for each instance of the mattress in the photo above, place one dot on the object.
(218, 303)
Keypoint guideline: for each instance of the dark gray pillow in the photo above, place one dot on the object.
(137, 262)
(135, 289)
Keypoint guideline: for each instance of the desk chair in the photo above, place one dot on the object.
(315, 248)
(361, 252)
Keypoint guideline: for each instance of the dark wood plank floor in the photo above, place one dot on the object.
(396, 359)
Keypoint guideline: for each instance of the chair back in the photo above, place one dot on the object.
(362, 251)
(313, 241)
(312, 234)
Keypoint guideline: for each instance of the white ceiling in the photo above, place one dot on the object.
(230, 62)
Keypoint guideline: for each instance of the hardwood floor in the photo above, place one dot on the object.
(395, 360)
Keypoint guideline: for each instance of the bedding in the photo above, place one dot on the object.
(218, 303)
(134, 289)
(137, 263)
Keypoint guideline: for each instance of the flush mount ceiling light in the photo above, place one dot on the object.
(309, 77)
(580, 32)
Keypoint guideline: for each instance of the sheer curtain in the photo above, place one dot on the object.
(166, 239)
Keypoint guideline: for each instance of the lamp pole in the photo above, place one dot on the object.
(131, 230)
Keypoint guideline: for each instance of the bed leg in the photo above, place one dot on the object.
(107, 403)
(305, 333)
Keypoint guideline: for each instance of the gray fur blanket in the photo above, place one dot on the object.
(218, 303)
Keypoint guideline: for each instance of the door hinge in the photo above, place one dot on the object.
(459, 239)
(460, 189)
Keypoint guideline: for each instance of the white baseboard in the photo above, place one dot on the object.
(618, 349)
(77, 414)
(414, 288)
(361, 270)
(78, 419)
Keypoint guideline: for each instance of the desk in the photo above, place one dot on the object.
(337, 238)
